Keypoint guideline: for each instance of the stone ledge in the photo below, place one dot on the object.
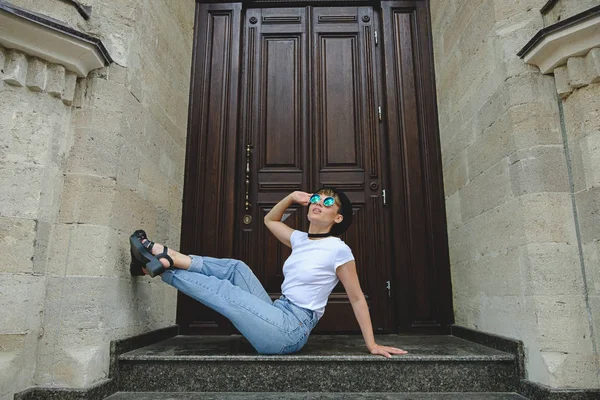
(577, 73)
(48, 39)
(37, 75)
(553, 45)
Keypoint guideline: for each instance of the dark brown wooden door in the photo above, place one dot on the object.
(288, 99)
(309, 119)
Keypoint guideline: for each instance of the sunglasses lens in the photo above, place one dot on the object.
(328, 202)
(315, 198)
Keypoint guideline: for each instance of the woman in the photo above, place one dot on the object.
(318, 260)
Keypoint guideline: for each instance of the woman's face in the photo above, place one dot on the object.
(321, 215)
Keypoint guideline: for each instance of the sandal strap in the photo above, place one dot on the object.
(166, 256)
(148, 244)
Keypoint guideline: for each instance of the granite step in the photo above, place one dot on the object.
(326, 364)
(311, 396)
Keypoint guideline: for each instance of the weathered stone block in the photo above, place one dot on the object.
(497, 229)
(511, 34)
(70, 252)
(467, 310)
(481, 92)
(15, 68)
(576, 68)
(588, 210)
(496, 273)
(18, 235)
(509, 316)
(542, 130)
(20, 194)
(87, 199)
(538, 169)
(56, 80)
(130, 211)
(562, 323)
(117, 73)
(106, 95)
(486, 191)
(593, 64)
(17, 355)
(36, 75)
(2, 61)
(133, 120)
(594, 302)
(128, 171)
(566, 369)
(79, 95)
(69, 89)
(576, 154)
(95, 151)
(79, 312)
(548, 218)
(591, 257)
(455, 174)
(582, 112)
(590, 157)
(530, 88)
(492, 111)
(495, 144)
(453, 215)
(22, 299)
(549, 269)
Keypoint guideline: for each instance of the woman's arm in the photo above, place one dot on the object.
(273, 219)
(349, 278)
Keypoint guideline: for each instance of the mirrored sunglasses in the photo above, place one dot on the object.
(328, 202)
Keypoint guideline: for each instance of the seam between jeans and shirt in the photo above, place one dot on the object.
(184, 278)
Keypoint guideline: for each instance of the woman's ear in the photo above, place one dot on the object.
(338, 218)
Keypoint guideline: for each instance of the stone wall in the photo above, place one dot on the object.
(564, 9)
(85, 162)
(578, 84)
(515, 259)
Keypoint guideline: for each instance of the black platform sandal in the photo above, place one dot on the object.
(142, 253)
(135, 267)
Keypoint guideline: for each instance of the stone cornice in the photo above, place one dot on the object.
(48, 39)
(553, 45)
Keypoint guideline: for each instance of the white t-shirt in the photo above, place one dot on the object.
(309, 272)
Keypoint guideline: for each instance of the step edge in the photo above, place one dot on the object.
(281, 358)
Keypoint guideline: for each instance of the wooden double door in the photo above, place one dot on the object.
(295, 98)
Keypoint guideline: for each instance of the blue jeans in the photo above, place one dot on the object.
(229, 287)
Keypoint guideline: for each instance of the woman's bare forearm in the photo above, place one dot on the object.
(361, 311)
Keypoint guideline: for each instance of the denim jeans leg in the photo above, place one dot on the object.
(235, 271)
(267, 328)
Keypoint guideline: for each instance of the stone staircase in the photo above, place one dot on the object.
(329, 367)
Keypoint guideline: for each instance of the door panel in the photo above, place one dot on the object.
(346, 134)
(275, 121)
(211, 137)
(420, 242)
(292, 151)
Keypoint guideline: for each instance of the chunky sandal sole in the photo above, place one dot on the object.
(141, 254)
(135, 267)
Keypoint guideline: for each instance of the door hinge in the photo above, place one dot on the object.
(379, 113)
(376, 41)
(388, 286)
(383, 196)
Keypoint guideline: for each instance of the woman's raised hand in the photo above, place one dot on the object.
(301, 198)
